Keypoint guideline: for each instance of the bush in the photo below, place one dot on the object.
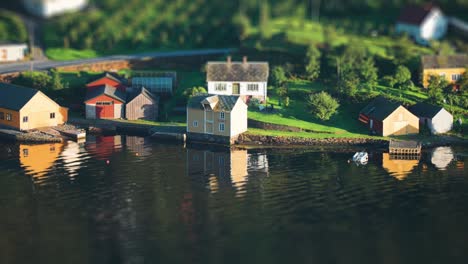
(194, 91)
(322, 105)
(254, 103)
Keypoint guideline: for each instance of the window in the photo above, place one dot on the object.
(52, 148)
(195, 123)
(221, 115)
(104, 103)
(8, 117)
(2, 116)
(456, 77)
(25, 119)
(25, 152)
(221, 127)
(220, 87)
(52, 115)
(252, 87)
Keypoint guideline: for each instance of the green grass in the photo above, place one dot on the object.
(62, 54)
(262, 132)
(151, 123)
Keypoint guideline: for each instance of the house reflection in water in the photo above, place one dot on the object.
(140, 146)
(38, 159)
(72, 157)
(103, 147)
(399, 166)
(222, 167)
(441, 157)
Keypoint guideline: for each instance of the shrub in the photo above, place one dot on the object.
(254, 103)
(322, 105)
(194, 91)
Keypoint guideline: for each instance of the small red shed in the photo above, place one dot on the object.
(104, 102)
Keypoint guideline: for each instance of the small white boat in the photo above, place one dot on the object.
(361, 157)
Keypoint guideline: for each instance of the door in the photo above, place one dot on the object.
(104, 110)
(209, 127)
(235, 88)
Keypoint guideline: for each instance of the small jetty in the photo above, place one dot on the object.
(72, 132)
(400, 147)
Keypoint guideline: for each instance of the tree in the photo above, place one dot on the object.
(435, 88)
(56, 81)
(278, 76)
(368, 74)
(322, 105)
(402, 76)
(37, 80)
(463, 81)
(312, 67)
(194, 91)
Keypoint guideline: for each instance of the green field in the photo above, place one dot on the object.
(61, 54)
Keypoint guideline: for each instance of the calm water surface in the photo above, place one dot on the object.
(127, 199)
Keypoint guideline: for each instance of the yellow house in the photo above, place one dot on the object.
(25, 108)
(38, 159)
(213, 117)
(450, 67)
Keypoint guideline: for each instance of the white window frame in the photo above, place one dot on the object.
(8, 117)
(195, 123)
(25, 119)
(220, 87)
(221, 127)
(456, 77)
(222, 115)
(253, 87)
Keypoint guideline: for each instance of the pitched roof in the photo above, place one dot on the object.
(144, 92)
(14, 97)
(108, 75)
(237, 71)
(425, 110)
(448, 61)
(380, 108)
(414, 14)
(107, 90)
(223, 103)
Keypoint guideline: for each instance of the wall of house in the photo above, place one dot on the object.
(442, 122)
(434, 26)
(48, 8)
(15, 117)
(38, 111)
(90, 111)
(195, 115)
(12, 53)
(238, 119)
(141, 107)
(262, 89)
(200, 115)
(116, 104)
(226, 121)
(400, 122)
(413, 31)
(448, 72)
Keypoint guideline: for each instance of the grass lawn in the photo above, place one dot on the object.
(62, 54)
(256, 131)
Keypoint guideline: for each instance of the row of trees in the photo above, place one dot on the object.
(43, 81)
(12, 27)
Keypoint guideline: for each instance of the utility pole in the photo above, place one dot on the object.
(31, 44)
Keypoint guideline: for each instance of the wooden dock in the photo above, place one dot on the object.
(399, 147)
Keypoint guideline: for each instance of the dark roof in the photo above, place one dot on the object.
(143, 91)
(107, 90)
(14, 97)
(380, 108)
(425, 110)
(237, 71)
(223, 102)
(414, 14)
(448, 61)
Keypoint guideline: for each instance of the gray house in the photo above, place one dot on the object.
(436, 118)
(142, 105)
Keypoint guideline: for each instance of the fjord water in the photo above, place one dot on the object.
(124, 199)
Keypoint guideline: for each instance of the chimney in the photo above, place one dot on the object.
(244, 60)
(229, 59)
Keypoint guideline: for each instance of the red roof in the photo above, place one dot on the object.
(415, 14)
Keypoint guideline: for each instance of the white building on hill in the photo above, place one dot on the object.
(49, 8)
(12, 52)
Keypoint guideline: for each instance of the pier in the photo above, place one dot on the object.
(397, 147)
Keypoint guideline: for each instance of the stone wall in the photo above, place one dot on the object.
(98, 66)
(249, 139)
(213, 139)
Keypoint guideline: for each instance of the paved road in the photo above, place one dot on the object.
(47, 64)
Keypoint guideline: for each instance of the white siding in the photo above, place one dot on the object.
(441, 123)
(90, 111)
(49, 8)
(12, 52)
(262, 88)
(433, 27)
(239, 118)
(118, 111)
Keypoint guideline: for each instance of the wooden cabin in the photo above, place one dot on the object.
(386, 118)
(25, 108)
(105, 102)
(142, 105)
(214, 116)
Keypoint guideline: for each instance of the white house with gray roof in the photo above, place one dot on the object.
(246, 79)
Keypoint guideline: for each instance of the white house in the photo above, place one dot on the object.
(422, 23)
(436, 118)
(246, 79)
(12, 52)
(49, 8)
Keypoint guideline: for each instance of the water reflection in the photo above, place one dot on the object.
(72, 157)
(103, 147)
(441, 157)
(399, 166)
(140, 146)
(38, 159)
